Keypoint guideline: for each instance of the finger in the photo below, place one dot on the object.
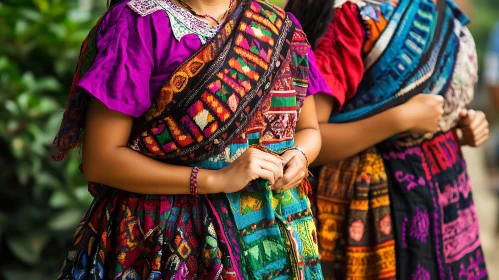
(478, 134)
(479, 127)
(440, 99)
(266, 175)
(270, 158)
(471, 114)
(476, 121)
(296, 181)
(463, 113)
(267, 165)
(481, 141)
(464, 122)
(482, 138)
(290, 173)
(287, 156)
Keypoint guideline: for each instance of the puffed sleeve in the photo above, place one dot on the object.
(119, 76)
(316, 83)
(339, 53)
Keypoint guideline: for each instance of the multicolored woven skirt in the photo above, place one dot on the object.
(354, 219)
(245, 235)
(434, 217)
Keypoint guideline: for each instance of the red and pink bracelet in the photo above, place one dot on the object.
(194, 181)
(301, 151)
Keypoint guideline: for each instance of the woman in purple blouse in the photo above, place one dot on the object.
(197, 130)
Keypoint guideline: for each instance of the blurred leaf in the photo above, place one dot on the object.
(28, 248)
(21, 27)
(82, 194)
(48, 105)
(65, 220)
(30, 14)
(24, 98)
(39, 47)
(11, 106)
(23, 173)
(19, 273)
(47, 179)
(59, 200)
(18, 145)
(47, 84)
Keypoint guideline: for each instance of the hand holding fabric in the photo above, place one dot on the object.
(251, 165)
(423, 113)
(474, 127)
(295, 170)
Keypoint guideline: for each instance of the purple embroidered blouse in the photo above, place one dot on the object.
(138, 53)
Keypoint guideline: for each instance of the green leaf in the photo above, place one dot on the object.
(47, 84)
(21, 27)
(59, 200)
(28, 248)
(12, 125)
(66, 220)
(48, 105)
(47, 179)
(53, 123)
(18, 146)
(11, 106)
(20, 273)
(73, 167)
(43, 5)
(30, 14)
(58, 30)
(23, 173)
(24, 99)
(83, 195)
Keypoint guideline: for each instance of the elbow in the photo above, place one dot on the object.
(90, 172)
(93, 169)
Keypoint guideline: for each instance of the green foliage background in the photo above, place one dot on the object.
(42, 201)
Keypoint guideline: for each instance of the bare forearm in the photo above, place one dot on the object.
(128, 170)
(309, 140)
(341, 141)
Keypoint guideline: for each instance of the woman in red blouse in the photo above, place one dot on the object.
(392, 195)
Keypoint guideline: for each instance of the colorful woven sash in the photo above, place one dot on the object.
(210, 99)
(414, 53)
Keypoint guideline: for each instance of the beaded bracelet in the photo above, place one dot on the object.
(194, 181)
(301, 151)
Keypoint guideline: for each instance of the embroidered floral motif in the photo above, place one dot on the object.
(421, 274)
(357, 230)
(385, 225)
(420, 225)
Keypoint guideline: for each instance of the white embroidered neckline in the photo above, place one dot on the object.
(181, 21)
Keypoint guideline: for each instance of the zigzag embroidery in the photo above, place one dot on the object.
(144, 7)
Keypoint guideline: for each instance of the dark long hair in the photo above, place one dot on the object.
(111, 3)
(314, 16)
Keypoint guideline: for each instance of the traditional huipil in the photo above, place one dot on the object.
(402, 209)
(201, 96)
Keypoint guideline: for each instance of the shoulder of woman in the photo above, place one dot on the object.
(132, 12)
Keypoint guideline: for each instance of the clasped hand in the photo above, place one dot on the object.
(283, 173)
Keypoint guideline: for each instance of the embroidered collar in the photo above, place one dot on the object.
(181, 21)
(144, 7)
